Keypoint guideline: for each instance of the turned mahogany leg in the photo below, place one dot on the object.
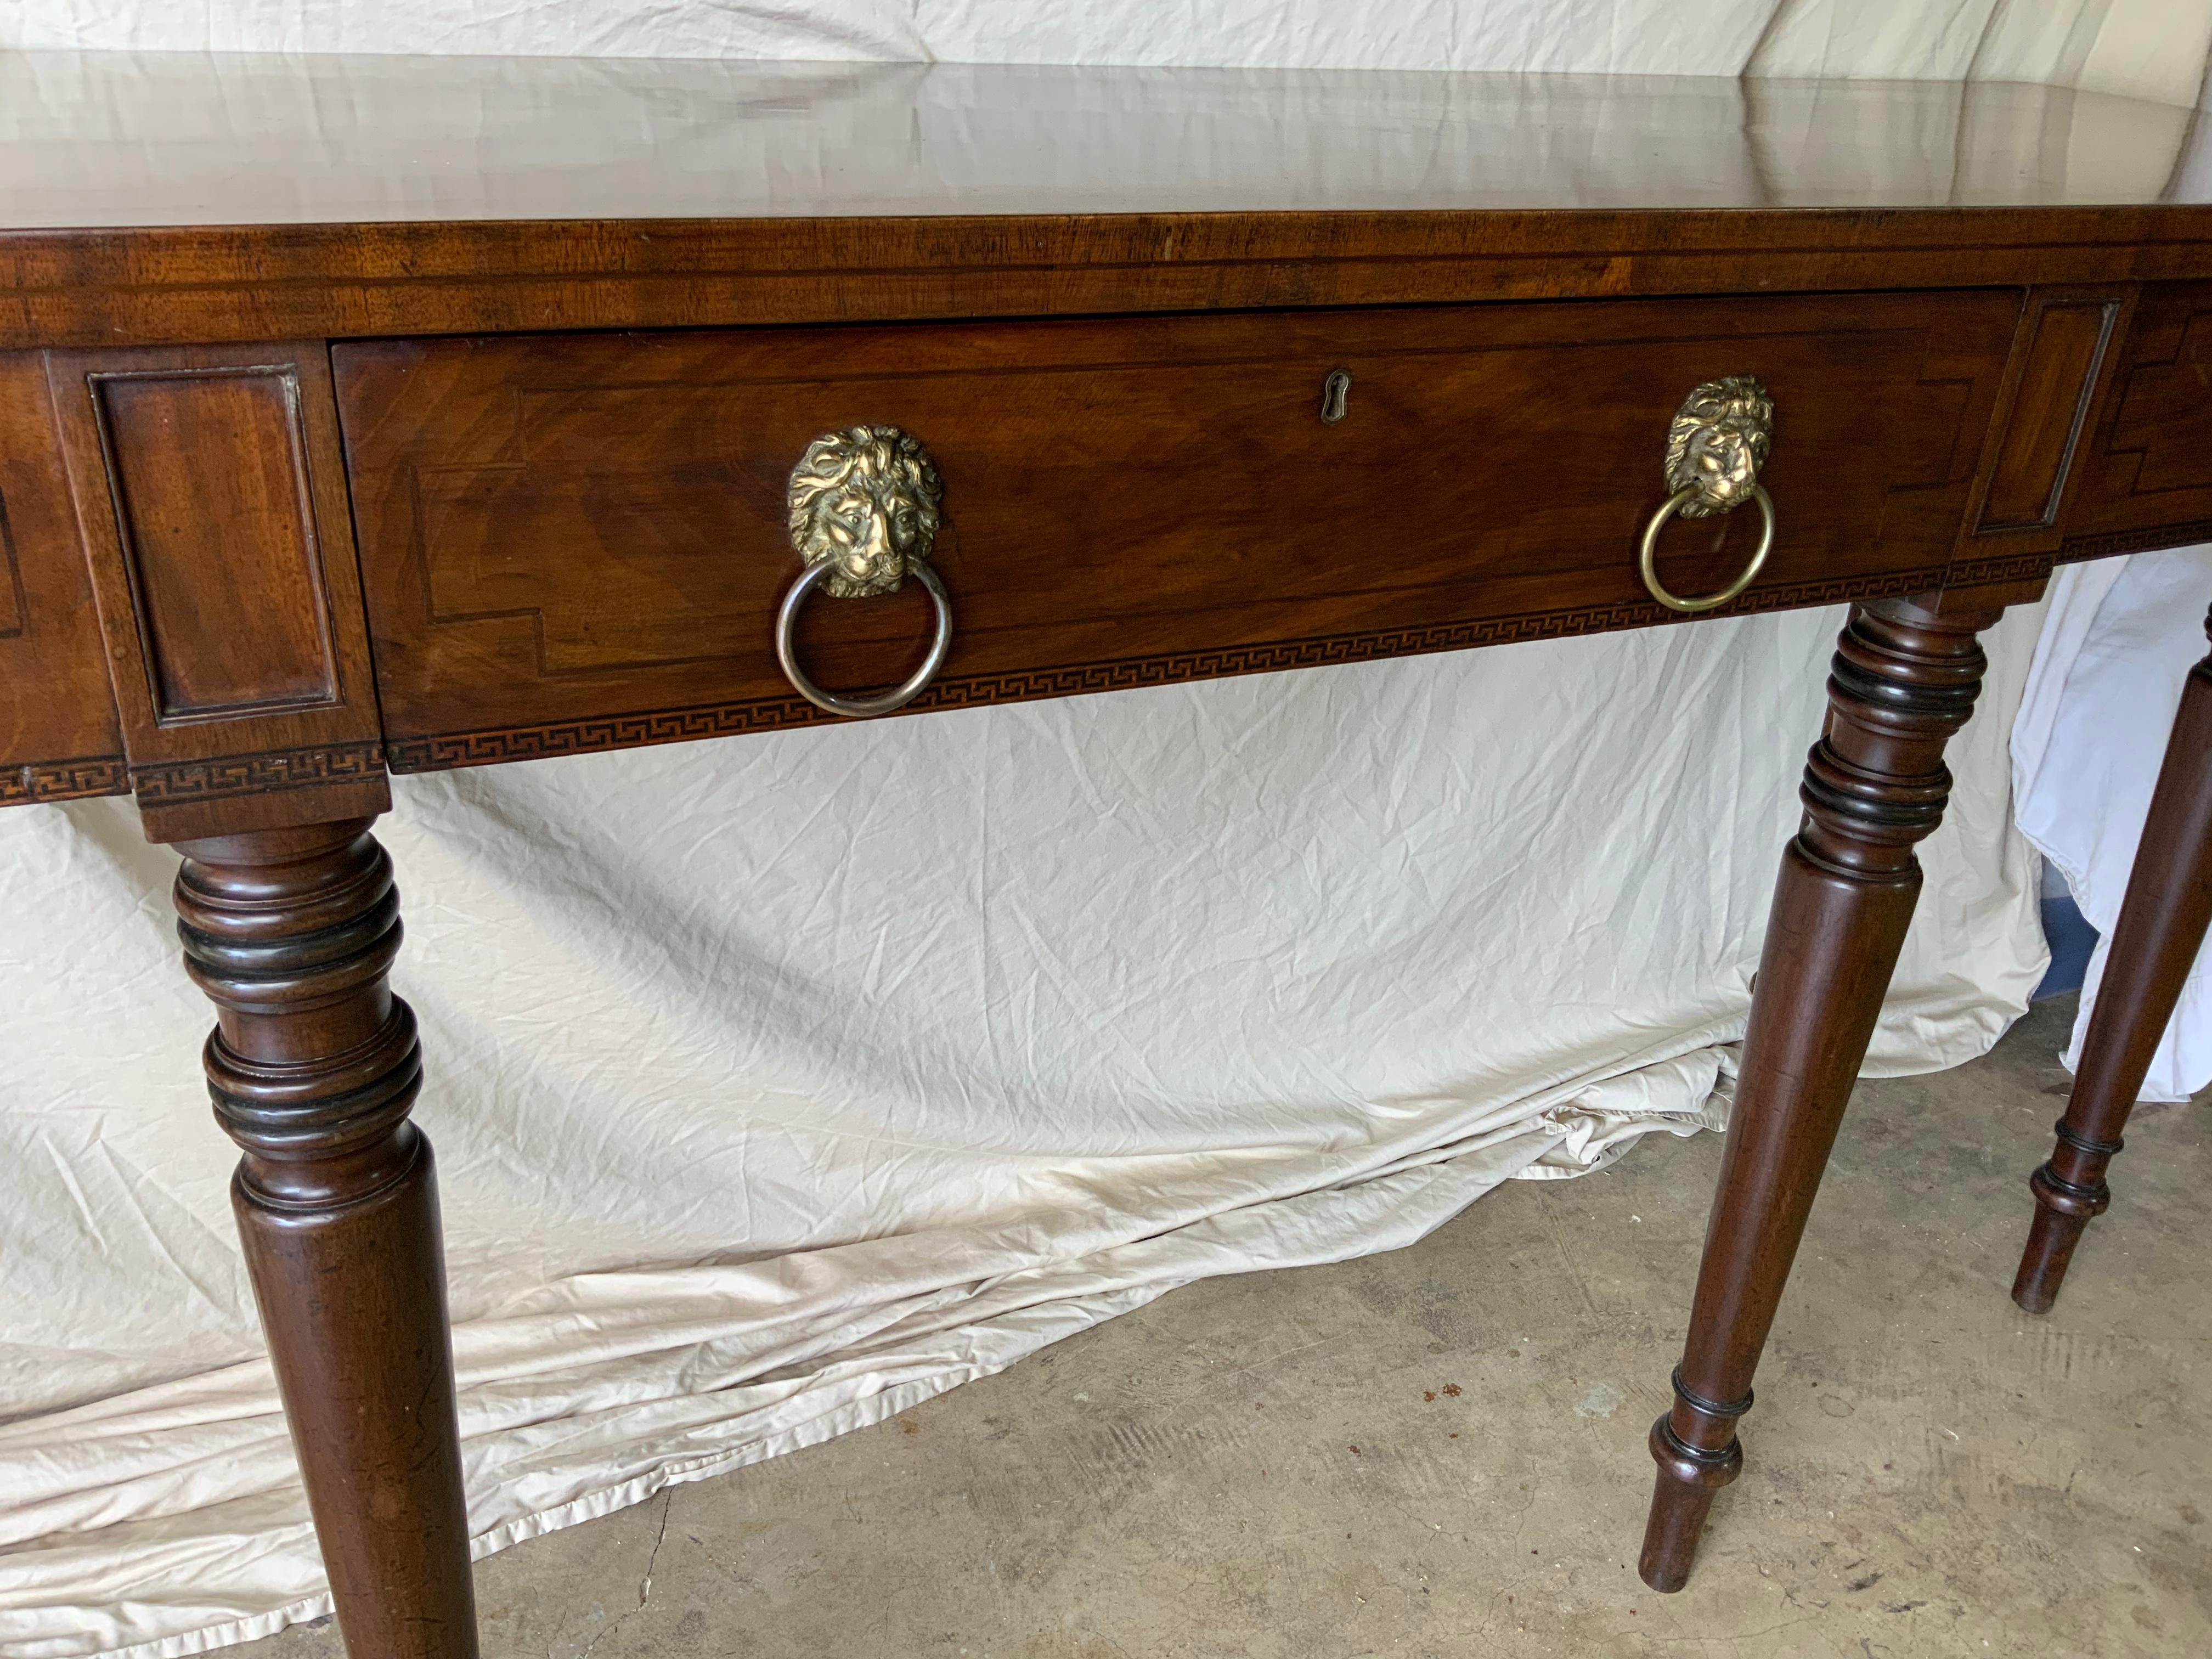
(1905, 677)
(2162, 922)
(313, 1065)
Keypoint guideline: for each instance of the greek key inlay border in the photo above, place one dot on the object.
(250, 775)
(2077, 549)
(581, 737)
(62, 780)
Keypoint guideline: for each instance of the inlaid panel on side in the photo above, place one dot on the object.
(579, 541)
(2147, 461)
(2063, 344)
(211, 503)
(58, 731)
(208, 469)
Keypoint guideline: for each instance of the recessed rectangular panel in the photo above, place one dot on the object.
(2045, 422)
(216, 516)
(210, 517)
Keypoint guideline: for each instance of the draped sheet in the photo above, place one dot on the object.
(781, 1082)
(2136, 48)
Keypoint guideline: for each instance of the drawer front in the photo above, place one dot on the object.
(580, 541)
(58, 738)
(2147, 472)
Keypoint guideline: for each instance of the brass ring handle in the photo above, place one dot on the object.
(1648, 560)
(864, 506)
(1715, 445)
(861, 709)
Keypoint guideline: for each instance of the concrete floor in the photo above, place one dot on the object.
(1440, 1451)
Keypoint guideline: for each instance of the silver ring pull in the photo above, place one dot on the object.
(863, 506)
(1715, 445)
(1648, 561)
(861, 709)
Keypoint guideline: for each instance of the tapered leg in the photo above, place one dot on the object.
(313, 1065)
(2162, 922)
(1905, 677)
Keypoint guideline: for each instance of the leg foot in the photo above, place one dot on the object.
(2162, 923)
(1696, 1459)
(2062, 1215)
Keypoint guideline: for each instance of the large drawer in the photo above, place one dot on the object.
(574, 541)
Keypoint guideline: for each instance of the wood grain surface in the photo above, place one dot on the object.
(194, 283)
(211, 509)
(314, 1066)
(563, 535)
(59, 736)
(1905, 678)
(2147, 464)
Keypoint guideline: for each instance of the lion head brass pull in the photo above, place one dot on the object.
(864, 516)
(1719, 439)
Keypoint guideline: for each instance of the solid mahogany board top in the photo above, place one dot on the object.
(155, 197)
(105, 139)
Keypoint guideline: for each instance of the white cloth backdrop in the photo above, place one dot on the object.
(2139, 48)
(2122, 637)
(781, 1082)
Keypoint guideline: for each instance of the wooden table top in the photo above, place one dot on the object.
(112, 139)
(153, 198)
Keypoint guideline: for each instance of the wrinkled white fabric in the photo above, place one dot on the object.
(2137, 48)
(781, 1082)
(2120, 639)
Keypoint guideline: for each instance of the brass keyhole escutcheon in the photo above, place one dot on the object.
(1335, 391)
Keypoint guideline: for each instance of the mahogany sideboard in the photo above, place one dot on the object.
(320, 461)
